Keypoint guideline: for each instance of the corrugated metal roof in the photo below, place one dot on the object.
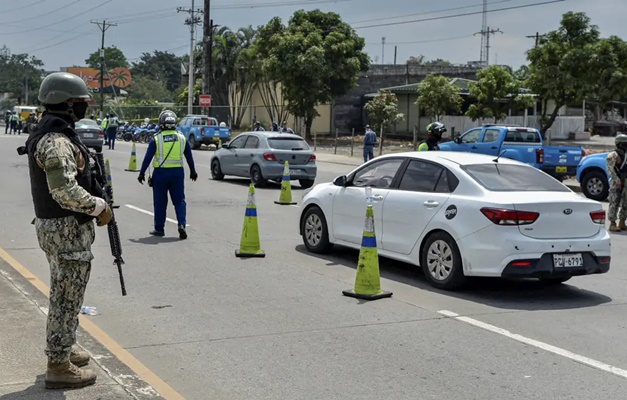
(461, 83)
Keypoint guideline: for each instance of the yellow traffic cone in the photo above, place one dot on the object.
(110, 182)
(219, 143)
(368, 280)
(285, 198)
(132, 164)
(249, 245)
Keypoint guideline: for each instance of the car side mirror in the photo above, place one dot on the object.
(458, 140)
(340, 181)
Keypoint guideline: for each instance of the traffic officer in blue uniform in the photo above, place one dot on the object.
(166, 152)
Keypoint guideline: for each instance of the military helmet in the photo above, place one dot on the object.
(62, 86)
(621, 139)
(167, 120)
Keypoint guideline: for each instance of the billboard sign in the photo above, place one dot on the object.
(118, 77)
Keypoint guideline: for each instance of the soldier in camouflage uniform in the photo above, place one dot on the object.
(617, 169)
(61, 186)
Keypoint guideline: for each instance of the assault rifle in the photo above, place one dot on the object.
(100, 180)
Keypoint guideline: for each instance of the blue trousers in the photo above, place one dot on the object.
(111, 132)
(170, 180)
(368, 152)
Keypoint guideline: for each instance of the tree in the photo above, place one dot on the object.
(416, 60)
(145, 87)
(494, 85)
(114, 58)
(161, 66)
(383, 110)
(611, 77)
(20, 75)
(562, 66)
(245, 74)
(522, 74)
(437, 96)
(316, 58)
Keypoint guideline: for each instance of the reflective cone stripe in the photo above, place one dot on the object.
(132, 164)
(285, 197)
(368, 279)
(249, 244)
(109, 180)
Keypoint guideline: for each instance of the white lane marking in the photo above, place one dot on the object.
(141, 210)
(540, 345)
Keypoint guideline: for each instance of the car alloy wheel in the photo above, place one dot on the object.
(313, 230)
(440, 260)
(594, 186)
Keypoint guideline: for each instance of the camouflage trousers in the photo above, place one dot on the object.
(67, 245)
(617, 205)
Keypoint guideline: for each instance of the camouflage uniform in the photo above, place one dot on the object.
(616, 205)
(67, 243)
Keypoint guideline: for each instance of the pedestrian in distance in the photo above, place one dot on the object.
(258, 127)
(434, 135)
(370, 139)
(104, 125)
(617, 169)
(7, 121)
(13, 122)
(166, 151)
(65, 208)
(112, 130)
(19, 124)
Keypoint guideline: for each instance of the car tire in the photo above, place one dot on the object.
(306, 183)
(595, 186)
(555, 281)
(98, 149)
(216, 170)
(256, 177)
(440, 257)
(315, 231)
(192, 142)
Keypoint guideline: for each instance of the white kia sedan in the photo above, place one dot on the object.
(461, 214)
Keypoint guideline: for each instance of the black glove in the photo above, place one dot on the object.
(193, 176)
(141, 178)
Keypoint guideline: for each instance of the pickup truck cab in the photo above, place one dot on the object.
(200, 129)
(593, 177)
(520, 144)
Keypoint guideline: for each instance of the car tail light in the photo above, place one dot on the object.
(501, 216)
(269, 157)
(604, 260)
(101, 133)
(312, 158)
(521, 264)
(598, 217)
(539, 156)
(583, 153)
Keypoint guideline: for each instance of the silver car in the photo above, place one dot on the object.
(262, 155)
(90, 133)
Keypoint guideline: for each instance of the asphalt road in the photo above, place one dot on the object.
(216, 327)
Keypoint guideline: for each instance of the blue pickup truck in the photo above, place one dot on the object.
(593, 177)
(200, 129)
(520, 144)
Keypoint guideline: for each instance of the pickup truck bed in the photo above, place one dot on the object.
(520, 144)
(200, 129)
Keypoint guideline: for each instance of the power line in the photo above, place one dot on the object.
(21, 8)
(426, 12)
(424, 41)
(62, 8)
(103, 28)
(458, 15)
(59, 43)
(192, 21)
(486, 33)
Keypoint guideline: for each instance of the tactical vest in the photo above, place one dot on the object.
(45, 206)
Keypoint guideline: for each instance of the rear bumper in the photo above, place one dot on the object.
(553, 170)
(543, 267)
(207, 140)
(274, 171)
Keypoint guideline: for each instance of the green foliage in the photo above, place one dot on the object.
(16, 70)
(182, 96)
(436, 96)
(144, 87)
(611, 77)
(564, 66)
(160, 66)
(316, 58)
(114, 58)
(383, 110)
(494, 85)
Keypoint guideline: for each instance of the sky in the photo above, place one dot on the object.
(59, 32)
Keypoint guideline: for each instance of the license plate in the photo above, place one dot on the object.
(294, 171)
(562, 170)
(573, 260)
(88, 135)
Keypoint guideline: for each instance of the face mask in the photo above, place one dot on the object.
(79, 109)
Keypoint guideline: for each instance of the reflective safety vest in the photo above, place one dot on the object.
(172, 145)
(104, 124)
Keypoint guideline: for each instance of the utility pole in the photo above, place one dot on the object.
(383, 50)
(207, 41)
(103, 28)
(192, 22)
(486, 33)
(537, 37)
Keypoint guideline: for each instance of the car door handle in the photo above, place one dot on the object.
(494, 147)
(377, 197)
(473, 147)
(430, 203)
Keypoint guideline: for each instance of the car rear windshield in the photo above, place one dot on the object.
(87, 123)
(288, 144)
(513, 178)
(522, 136)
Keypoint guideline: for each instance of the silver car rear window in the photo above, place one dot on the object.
(288, 144)
(513, 178)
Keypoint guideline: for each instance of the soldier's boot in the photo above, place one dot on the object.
(79, 357)
(613, 227)
(68, 376)
(621, 225)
